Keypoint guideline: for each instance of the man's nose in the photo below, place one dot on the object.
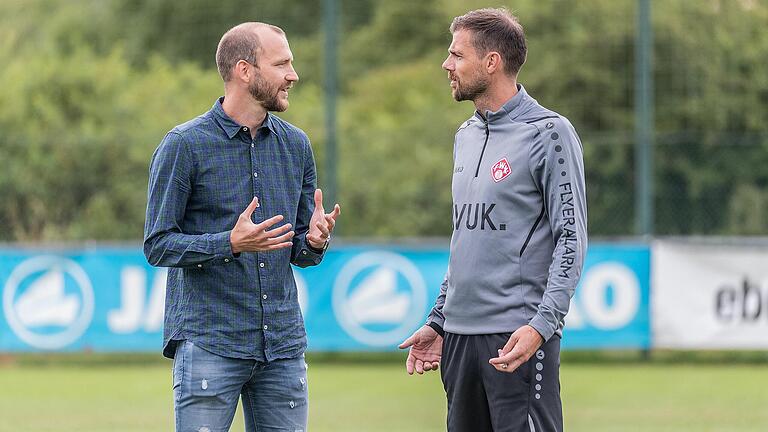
(292, 76)
(448, 65)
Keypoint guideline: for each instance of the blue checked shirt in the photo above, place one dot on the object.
(202, 176)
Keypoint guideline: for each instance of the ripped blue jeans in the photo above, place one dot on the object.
(206, 388)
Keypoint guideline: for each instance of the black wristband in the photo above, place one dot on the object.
(436, 327)
(316, 250)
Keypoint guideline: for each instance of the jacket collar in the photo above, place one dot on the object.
(512, 108)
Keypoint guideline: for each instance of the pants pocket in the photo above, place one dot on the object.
(178, 369)
(208, 375)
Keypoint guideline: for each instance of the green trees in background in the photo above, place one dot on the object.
(79, 124)
(90, 87)
(712, 117)
(77, 137)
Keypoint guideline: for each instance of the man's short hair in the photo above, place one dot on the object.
(495, 30)
(240, 43)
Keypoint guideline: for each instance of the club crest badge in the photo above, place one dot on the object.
(500, 170)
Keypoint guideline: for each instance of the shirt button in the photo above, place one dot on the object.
(304, 252)
(264, 296)
(226, 259)
(266, 326)
(255, 174)
(253, 145)
(199, 266)
(261, 265)
(245, 128)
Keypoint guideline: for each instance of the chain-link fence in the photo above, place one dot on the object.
(88, 95)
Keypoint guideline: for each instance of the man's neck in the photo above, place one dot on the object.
(496, 96)
(244, 110)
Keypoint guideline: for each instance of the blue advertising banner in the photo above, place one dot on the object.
(611, 306)
(98, 299)
(359, 298)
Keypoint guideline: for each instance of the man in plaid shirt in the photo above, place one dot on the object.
(232, 204)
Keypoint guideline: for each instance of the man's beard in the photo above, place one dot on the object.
(471, 90)
(267, 95)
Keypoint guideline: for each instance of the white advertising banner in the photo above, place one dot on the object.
(707, 296)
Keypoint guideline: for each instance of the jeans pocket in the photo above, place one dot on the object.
(208, 374)
(178, 364)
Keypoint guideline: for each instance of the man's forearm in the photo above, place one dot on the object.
(171, 249)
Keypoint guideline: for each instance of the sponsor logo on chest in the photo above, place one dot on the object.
(476, 216)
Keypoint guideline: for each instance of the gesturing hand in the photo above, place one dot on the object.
(520, 347)
(426, 350)
(247, 236)
(321, 224)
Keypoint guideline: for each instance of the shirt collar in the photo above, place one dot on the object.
(512, 107)
(231, 127)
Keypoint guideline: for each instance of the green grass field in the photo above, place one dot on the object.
(379, 396)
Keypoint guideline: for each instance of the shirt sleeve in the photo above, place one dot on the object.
(302, 254)
(170, 185)
(436, 314)
(557, 166)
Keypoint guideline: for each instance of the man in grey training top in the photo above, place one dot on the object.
(518, 244)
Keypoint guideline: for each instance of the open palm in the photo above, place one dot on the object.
(426, 349)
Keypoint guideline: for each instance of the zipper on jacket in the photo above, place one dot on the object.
(487, 133)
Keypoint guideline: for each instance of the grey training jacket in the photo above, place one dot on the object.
(519, 219)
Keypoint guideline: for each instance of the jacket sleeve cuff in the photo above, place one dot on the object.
(542, 326)
(437, 327)
(436, 319)
(308, 255)
(314, 249)
(222, 248)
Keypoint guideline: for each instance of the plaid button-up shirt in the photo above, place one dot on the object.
(202, 176)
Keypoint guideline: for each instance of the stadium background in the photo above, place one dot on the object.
(675, 149)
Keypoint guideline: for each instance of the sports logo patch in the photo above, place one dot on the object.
(500, 170)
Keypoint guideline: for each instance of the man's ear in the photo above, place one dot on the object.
(493, 62)
(242, 71)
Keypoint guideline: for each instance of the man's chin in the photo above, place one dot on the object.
(281, 102)
(276, 105)
(282, 106)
